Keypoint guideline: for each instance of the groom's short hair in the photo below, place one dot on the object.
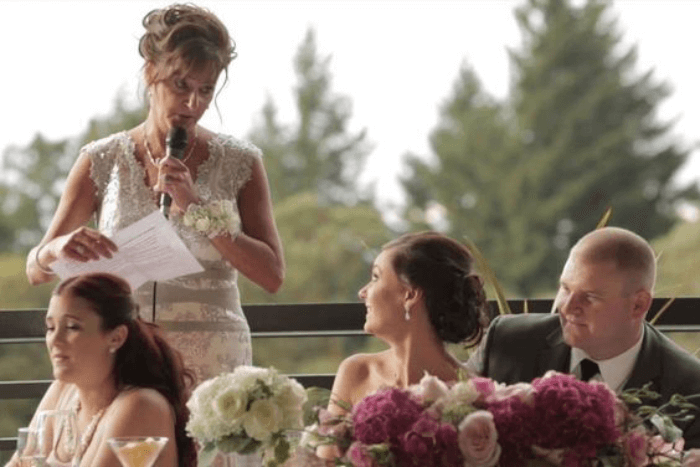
(630, 253)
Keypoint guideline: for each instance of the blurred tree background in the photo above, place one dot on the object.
(525, 178)
(522, 177)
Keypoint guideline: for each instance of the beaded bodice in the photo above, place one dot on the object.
(124, 197)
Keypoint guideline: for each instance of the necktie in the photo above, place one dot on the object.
(589, 369)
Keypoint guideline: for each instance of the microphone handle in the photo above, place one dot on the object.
(165, 202)
(175, 145)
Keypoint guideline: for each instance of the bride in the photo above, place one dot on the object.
(422, 294)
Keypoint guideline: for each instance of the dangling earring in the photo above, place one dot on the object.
(407, 316)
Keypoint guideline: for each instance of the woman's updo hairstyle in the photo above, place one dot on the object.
(442, 268)
(184, 37)
(145, 359)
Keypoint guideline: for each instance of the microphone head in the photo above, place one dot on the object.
(177, 138)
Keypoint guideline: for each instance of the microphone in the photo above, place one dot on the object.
(175, 144)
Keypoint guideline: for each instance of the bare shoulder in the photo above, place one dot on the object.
(360, 367)
(141, 411)
(143, 401)
(135, 412)
(356, 376)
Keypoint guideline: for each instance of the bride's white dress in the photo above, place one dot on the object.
(201, 312)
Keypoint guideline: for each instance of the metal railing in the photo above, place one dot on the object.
(298, 321)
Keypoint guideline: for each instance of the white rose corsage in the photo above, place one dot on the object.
(213, 218)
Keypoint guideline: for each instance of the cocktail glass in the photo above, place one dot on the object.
(138, 451)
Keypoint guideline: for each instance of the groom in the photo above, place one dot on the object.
(605, 291)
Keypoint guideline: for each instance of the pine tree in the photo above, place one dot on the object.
(579, 135)
(33, 177)
(589, 128)
(462, 190)
(32, 181)
(317, 153)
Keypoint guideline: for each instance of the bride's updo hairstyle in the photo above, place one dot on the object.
(145, 359)
(442, 268)
(184, 38)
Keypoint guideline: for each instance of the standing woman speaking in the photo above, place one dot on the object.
(120, 179)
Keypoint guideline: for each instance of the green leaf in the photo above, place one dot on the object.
(490, 277)
(605, 219)
(282, 449)
(238, 442)
(662, 310)
(347, 406)
(250, 447)
(316, 398)
(206, 455)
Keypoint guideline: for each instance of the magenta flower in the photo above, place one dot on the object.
(429, 442)
(570, 412)
(385, 415)
(484, 386)
(359, 456)
(635, 448)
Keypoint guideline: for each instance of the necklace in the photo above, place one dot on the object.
(153, 160)
(87, 435)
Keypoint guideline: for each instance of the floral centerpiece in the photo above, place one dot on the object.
(555, 420)
(249, 410)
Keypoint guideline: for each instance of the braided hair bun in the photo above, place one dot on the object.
(442, 268)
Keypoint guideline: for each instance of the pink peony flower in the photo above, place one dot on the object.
(478, 439)
(385, 415)
(430, 388)
(359, 456)
(332, 425)
(523, 391)
(484, 386)
(429, 442)
(691, 458)
(569, 412)
(662, 451)
(561, 412)
(635, 448)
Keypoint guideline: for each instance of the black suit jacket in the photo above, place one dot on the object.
(519, 348)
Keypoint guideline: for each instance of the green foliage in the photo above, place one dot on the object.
(15, 291)
(328, 250)
(317, 153)
(31, 183)
(678, 270)
(21, 362)
(121, 118)
(33, 177)
(578, 134)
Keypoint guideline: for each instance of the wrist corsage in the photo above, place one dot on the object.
(213, 219)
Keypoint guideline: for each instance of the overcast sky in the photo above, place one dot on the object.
(65, 61)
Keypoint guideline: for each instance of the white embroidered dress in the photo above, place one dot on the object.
(201, 312)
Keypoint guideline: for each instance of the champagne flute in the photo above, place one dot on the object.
(138, 451)
(57, 436)
(27, 448)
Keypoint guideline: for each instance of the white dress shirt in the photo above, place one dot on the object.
(614, 371)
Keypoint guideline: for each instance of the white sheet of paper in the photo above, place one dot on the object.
(149, 249)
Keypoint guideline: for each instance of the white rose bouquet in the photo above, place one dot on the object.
(249, 410)
(213, 219)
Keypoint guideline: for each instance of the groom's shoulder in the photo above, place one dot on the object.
(529, 326)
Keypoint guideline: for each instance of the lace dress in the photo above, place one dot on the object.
(201, 313)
